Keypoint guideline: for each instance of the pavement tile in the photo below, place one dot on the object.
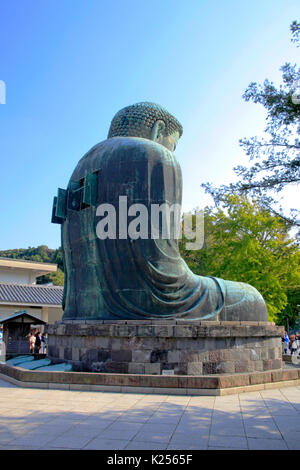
(69, 442)
(10, 447)
(28, 440)
(137, 445)
(98, 422)
(229, 413)
(154, 436)
(49, 428)
(118, 434)
(58, 419)
(185, 446)
(106, 444)
(227, 418)
(196, 414)
(258, 420)
(165, 427)
(287, 423)
(85, 431)
(256, 413)
(284, 411)
(56, 448)
(8, 438)
(190, 430)
(164, 420)
(124, 426)
(39, 419)
(293, 444)
(134, 418)
(292, 439)
(223, 448)
(266, 444)
(263, 431)
(70, 416)
(190, 440)
(194, 422)
(228, 429)
(228, 442)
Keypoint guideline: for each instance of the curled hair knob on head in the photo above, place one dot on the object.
(138, 120)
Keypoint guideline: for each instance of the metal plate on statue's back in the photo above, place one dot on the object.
(75, 195)
(61, 205)
(90, 189)
(54, 219)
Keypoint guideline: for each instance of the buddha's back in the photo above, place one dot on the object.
(115, 266)
(110, 277)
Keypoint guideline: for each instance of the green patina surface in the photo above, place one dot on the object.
(63, 367)
(143, 278)
(15, 361)
(29, 363)
(35, 364)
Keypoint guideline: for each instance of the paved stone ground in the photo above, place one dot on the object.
(57, 419)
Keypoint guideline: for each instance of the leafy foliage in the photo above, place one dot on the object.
(244, 242)
(295, 29)
(292, 310)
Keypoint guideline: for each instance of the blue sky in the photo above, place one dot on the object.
(70, 65)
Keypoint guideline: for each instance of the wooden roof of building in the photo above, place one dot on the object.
(31, 294)
(23, 317)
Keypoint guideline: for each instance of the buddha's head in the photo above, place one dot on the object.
(149, 121)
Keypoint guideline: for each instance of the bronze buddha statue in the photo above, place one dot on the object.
(123, 278)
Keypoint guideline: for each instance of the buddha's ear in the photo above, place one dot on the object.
(157, 130)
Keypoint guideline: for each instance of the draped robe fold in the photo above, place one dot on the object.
(113, 279)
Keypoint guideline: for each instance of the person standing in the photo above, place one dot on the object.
(298, 338)
(293, 344)
(44, 343)
(38, 343)
(286, 343)
(31, 342)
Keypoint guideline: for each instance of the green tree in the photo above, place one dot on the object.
(276, 156)
(290, 315)
(57, 279)
(245, 242)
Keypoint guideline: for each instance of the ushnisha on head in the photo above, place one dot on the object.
(149, 121)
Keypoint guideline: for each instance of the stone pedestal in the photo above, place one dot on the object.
(166, 347)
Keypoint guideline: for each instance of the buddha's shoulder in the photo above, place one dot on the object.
(124, 145)
(121, 148)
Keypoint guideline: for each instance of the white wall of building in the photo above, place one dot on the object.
(17, 276)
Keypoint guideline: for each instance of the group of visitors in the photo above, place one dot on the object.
(38, 342)
(291, 342)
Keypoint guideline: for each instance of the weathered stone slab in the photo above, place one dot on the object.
(184, 383)
(152, 368)
(194, 368)
(236, 380)
(185, 347)
(260, 378)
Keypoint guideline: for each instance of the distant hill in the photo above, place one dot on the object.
(41, 254)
